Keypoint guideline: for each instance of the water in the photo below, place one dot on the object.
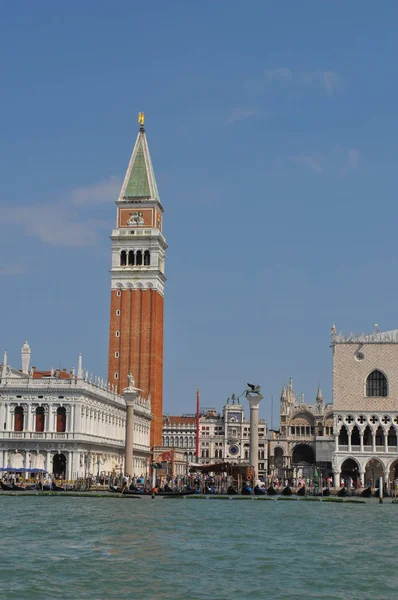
(92, 548)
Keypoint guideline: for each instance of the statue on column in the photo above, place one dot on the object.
(130, 380)
(254, 390)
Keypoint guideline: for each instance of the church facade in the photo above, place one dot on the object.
(304, 440)
(365, 399)
(137, 284)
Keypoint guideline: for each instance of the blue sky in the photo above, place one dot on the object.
(273, 132)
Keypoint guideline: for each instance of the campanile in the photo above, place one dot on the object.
(137, 284)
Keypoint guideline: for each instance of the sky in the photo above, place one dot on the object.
(273, 132)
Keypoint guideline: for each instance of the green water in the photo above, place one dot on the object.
(81, 548)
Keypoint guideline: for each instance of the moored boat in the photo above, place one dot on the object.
(271, 491)
(287, 491)
(367, 492)
(342, 493)
(301, 491)
(148, 493)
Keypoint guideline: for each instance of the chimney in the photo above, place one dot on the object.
(25, 356)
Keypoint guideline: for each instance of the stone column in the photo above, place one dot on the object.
(336, 478)
(385, 441)
(48, 462)
(373, 442)
(77, 418)
(361, 441)
(69, 466)
(130, 394)
(349, 440)
(362, 477)
(254, 402)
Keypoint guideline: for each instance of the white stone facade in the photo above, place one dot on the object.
(365, 401)
(67, 423)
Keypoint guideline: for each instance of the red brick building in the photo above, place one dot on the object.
(137, 281)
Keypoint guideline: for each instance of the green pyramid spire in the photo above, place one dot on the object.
(140, 179)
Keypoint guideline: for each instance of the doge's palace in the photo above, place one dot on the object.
(365, 407)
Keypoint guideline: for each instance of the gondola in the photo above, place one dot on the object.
(8, 487)
(301, 491)
(325, 492)
(57, 488)
(342, 493)
(258, 491)
(271, 491)
(148, 493)
(231, 491)
(12, 487)
(287, 491)
(366, 493)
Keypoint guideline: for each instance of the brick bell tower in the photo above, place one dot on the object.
(137, 284)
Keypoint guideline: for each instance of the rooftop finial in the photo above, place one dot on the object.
(141, 119)
(25, 357)
(319, 395)
(80, 367)
(5, 369)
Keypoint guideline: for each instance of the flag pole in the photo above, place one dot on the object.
(197, 423)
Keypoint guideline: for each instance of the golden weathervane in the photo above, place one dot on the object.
(141, 118)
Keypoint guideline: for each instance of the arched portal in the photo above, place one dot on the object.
(373, 470)
(303, 454)
(61, 419)
(355, 437)
(367, 438)
(19, 418)
(303, 459)
(392, 439)
(343, 436)
(39, 426)
(350, 473)
(16, 460)
(278, 457)
(394, 473)
(59, 466)
(379, 436)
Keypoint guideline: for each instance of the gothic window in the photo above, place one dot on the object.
(131, 258)
(118, 312)
(117, 333)
(123, 258)
(116, 376)
(61, 419)
(376, 384)
(118, 293)
(139, 257)
(190, 442)
(39, 425)
(18, 422)
(181, 442)
(147, 258)
(246, 454)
